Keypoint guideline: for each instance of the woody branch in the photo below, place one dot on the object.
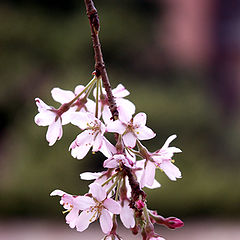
(100, 69)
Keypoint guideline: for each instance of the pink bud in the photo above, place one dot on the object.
(173, 222)
(139, 204)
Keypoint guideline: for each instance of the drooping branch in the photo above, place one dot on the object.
(100, 69)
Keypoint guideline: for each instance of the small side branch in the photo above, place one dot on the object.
(100, 69)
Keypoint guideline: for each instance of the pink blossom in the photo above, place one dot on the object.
(97, 206)
(125, 108)
(132, 129)
(70, 203)
(173, 222)
(92, 136)
(127, 215)
(49, 116)
(162, 159)
(117, 159)
(82, 104)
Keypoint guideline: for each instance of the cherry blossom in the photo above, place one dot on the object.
(162, 159)
(132, 129)
(97, 206)
(82, 104)
(125, 107)
(92, 136)
(117, 159)
(49, 116)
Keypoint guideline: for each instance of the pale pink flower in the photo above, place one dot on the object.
(92, 136)
(127, 215)
(139, 173)
(125, 108)
(132, 130)
(162, 159)
(71, 204)
(156, 238)
(49, 116)
(117, 159)
(82, 104)
(97, 206)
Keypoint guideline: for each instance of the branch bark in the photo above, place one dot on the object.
(100, 69)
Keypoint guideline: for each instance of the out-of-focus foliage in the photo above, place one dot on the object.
(44, 46)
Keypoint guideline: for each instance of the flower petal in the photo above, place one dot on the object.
(90, 175)
(71, 217)
(84, 219)
(168, 141)
(97, 191)
(81, 119)
(129, 139)
(41, 105)
(112, 206)
(62, 96)
(127, 215)
(120, 91)
(83, 202)
(116, 126)
(45, 118)
(144, 133)
(106, 221)
(140, 119)
(54, 132)
(57, 192)
(171, 170)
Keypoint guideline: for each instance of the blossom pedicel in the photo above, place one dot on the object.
(129, 165)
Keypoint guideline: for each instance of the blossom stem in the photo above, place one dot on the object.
(114, 185)
(89, 85)
(111, 178)
(99, 63)
(97, 98)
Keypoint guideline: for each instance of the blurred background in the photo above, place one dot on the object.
(181, 62)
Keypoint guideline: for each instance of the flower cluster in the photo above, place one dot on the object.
(129, 165)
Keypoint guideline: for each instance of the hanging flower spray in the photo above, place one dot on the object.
(119, 189)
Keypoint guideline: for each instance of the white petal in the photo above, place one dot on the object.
(112, 206)
(97, 191)
(83, 202)
(78, 89)
(127, 215)
(106, 221)
(54, 132)
(41, 105)
(90, 175)
(84, 219)
(45, 118)
(90, 104)
(155, 184)
(116, 126)
(129, 139)
(62, 96)
(140, 119)
(81, 119)
(150, 173)
(144, 133)
(57, 193)
(171, 170)
(106, 114)
(81, 151)
(107, 148)
(110, 163)
(168, 141)
(97, 143)
(120, 91)
(71, 217)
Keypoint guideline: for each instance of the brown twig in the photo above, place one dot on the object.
(100, 69)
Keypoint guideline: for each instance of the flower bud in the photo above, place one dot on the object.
(173, 222)
(139, 204)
